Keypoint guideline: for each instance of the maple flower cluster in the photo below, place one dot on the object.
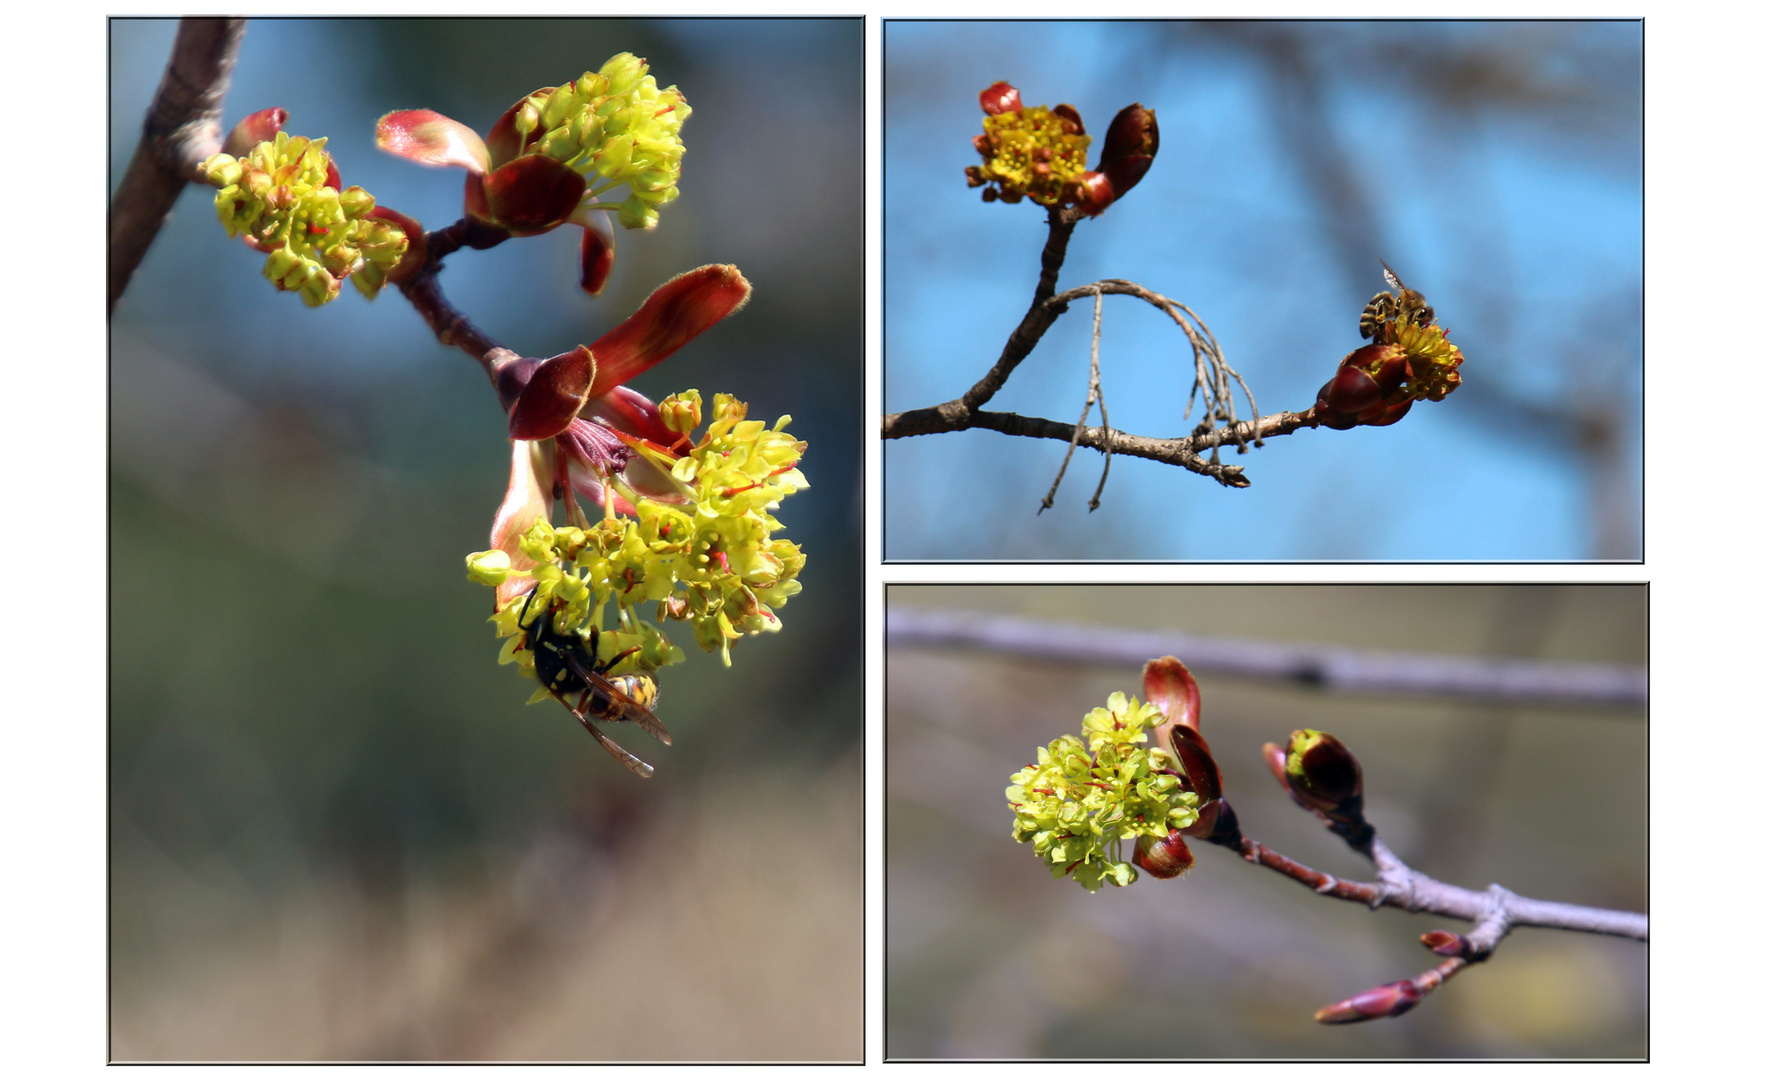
(706, 556)
(1078, 802)
(615, 124)
(283, 195)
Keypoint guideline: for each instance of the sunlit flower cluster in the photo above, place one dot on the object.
(614, 124)
(1435, 361)
(1077, 803)
(706, 555)
(283, 196)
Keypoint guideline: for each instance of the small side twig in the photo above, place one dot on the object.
(1094, 393)
(182, 129)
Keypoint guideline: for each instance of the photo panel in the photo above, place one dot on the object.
(348, 541)
(1134, 822)
(1263, 290)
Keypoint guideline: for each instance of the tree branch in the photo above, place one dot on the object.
(182, 129)
(1402, 887)
(447, 322)
(1333, 668)
(1214, 379)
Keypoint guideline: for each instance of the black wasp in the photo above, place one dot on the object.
(566, 664)
(1408, 306)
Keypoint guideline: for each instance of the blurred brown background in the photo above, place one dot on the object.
(335, 830)
(987, 956)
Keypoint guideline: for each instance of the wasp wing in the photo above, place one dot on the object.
(625, 757)
(629, 709)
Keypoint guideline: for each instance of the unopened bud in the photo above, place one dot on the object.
(1323, 775)
(1070, 119)
(1129, 147)
(1446, 943)
(1392, 999)
(1166, 857)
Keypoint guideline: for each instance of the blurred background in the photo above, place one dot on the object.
(1497, 166)
(335, 831)
(988, 956)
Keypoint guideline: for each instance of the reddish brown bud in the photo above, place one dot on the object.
(1092, 193)
(1000, 98)
(1070, 119)
(1322, 773)
(1446, 943)
(1129, 147)
(1392, 999)
(1164, 858)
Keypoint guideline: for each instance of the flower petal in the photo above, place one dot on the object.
(675, 314)
(429, 138)
(528, 500)
(555, 393)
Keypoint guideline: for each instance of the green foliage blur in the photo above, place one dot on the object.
(336, 832)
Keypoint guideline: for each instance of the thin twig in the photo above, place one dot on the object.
(1095, 389)
(1332, 668)
(182, 129)
(1093, 393)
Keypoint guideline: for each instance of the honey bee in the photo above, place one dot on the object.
(1386, 309)
(566, 664)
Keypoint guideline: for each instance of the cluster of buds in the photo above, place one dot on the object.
(284, 196)
(1321, 774)
(1410, 358)
(1039, 153)
(553, 157)
(1077, 802)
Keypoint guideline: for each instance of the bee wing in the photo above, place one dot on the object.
(629, 709)
(1393, 281)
